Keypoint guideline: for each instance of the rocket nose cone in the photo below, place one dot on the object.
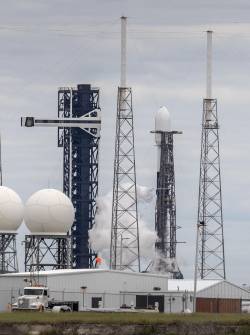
(162, 123)
(162, 119)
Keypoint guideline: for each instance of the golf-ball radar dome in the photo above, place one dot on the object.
(49, 212)
(11, 210)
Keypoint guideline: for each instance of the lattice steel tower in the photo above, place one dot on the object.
(8, 253)
(79, 124)
(80, 175)
(210, 258)
(124, 248)
(43, 252)
(165, 214)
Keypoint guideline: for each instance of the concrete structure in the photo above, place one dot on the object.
(112, 289)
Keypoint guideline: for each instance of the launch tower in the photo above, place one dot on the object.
(80, 167)
(79, 125)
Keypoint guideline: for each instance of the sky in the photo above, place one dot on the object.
(46, 44)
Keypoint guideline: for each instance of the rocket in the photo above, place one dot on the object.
(165, 211)
(162, 123)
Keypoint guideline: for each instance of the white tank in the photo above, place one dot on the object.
(162, 122)
(11, 210)
(49, 212)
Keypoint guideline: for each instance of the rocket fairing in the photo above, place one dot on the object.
(162, 123)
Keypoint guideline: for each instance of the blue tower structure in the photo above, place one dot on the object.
(79, 125)
(80, 165)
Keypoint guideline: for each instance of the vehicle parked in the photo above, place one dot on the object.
(37, 298)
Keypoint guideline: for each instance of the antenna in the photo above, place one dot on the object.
(209, 64)
(123, 50)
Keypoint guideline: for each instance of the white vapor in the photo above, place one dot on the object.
(100, 234)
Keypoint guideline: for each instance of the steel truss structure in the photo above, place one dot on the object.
(210, 237)
(46, 252)
(8, 255)
(79, 125)
(165, 214)
(124, 250)
(80, 167)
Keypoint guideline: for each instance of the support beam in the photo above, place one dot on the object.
(86, 122)
(8, 254)
(47, 252)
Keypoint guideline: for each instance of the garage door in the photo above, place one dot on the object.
(210, 305)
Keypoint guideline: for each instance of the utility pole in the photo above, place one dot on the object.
(124, 207)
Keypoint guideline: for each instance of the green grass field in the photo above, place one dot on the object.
(121, 318)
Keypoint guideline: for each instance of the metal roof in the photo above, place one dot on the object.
(188, 284)
(174, 285)
(82, 271)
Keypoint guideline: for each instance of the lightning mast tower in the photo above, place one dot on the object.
(124, 248)
(210, 257)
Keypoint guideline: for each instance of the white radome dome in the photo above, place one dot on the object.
(11, 210)
(49, 212)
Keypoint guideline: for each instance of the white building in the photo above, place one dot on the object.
(118, 288)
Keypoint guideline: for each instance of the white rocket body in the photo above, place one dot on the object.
(162, 123)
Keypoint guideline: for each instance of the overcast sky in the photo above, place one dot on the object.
(46, 44)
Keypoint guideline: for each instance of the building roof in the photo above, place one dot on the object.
(188, 284)
(82, 271)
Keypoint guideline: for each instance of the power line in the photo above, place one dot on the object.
(99, 29)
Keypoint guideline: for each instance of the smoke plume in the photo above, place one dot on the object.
(100, 234)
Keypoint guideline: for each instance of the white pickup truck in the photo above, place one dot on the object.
(33, 298)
